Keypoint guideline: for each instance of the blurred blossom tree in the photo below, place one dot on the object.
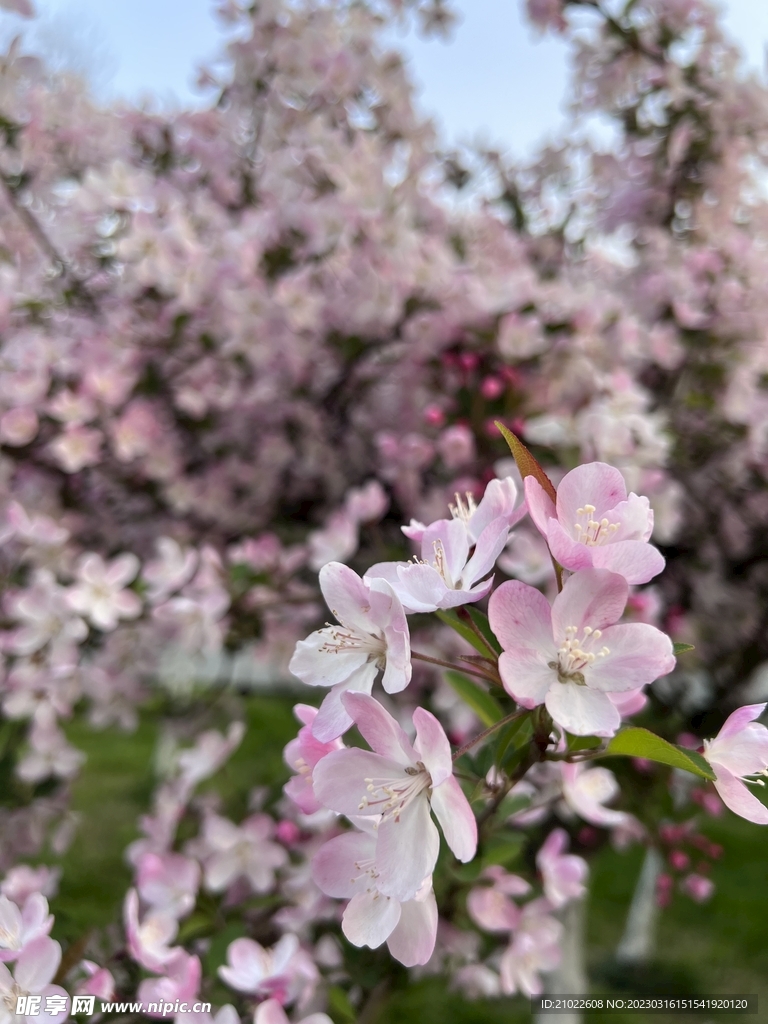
(242, 343)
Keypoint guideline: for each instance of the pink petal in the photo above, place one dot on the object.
(583, 712)
(526, 675)
(595, 483)
(738, 798)
(456, 819)
(270, 1012)
(314, 664)
(122, 570)
(413, 940)
(520, 616)
(333, 719)
(454, 598)
(379, 729)
(570, 553)
(635, 560)
(629, 703)
(498, 501)
(591, 597)
(540, 505)
(742, 753)
(406, 851)
(340, 779)
(451, 535)
(639, 653)
(635, 517)
(370, 919)
(432, 746)
(335, 867)
(739, 719)
(346, 596)
(38, 963)
(491, 910)
(489, 546)
(421, 588)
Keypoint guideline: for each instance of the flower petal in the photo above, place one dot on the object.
(520, 616)
(570, 553)
(333, 719)
(526, 676)
(340, 779)
(451, 536)
(595, 483)
(346, 595)
(635, 560)
(406, 851)
(456, 819)
(489, 546)
(638, 654)
(421, 588)
(37, 964)
(335, 866)
(432, 746)
(540, 505)
(591, 597)
(316, 662)
(736, 796)
(379, 729)
(413, 940)
(583, 712)
(370, 919)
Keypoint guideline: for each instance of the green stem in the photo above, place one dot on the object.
(467, 619)
(456, 668)
(489, 731)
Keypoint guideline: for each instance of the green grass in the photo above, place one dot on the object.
(721, 946)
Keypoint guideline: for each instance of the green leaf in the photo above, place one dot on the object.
(504, 848)
(682, 648)
(514, 735)
(450, 618)
(340, 1006)
(643, 743)
(486, 707)
(480, 619)
(583, 742)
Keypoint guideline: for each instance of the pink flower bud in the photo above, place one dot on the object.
(679, 860)
(491, 388)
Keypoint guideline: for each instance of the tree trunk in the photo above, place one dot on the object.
(570, 978)
(639, 939)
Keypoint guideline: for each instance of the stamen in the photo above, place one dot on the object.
(574, 656)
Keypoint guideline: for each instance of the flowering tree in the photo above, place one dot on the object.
(240, 347)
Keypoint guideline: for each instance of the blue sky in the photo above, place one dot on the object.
(495, 81)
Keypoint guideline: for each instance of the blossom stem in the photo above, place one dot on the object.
(456, 668)
(489, 731)
(467, 619)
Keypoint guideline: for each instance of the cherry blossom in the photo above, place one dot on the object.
(284, 972)
(19, 927)
(148, 939)
(246, 852)
(563, 874)
(271, 1012)
(168, 882)
(34, 971)
(737, 754)
(301, 755)
(570, 656)
(100, 592)
(499, 501)
(446, 575)
(535, 949)
(346, 867)
(180, 982)
(595, 523)
(401, 783)
(372, 635)
(586, 791)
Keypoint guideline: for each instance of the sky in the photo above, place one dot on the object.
(496, 81)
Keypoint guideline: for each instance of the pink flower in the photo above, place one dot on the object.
(22, 881)
(209, 753)
(148, 939)
(372, 635)
(587, 790)
(77, 447)
(596, 524)
(563, 874)
(98, 981)
(99, 593)
(169, 572)
(490, 907)
(168, 882)
(401, 783)
(271, 1012)
(35, 969)
(446, 576)
(498, 502)
(698, 887)
(345, 867)
(181, 981)
(535, 949)
(740, 750)
(301, 755)
(241, 852)
(571, 656)
(19, 927)
(283, 972)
